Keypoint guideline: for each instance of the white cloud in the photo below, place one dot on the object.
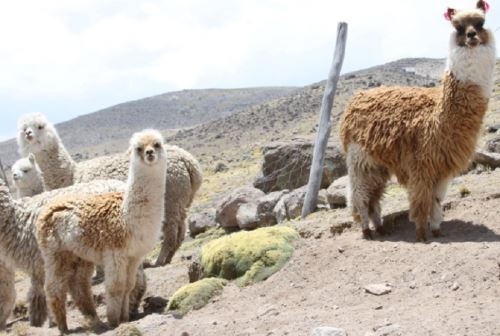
(111, 50)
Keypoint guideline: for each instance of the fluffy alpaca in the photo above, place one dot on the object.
(36, 135)
(424, 136)
(111, 229)
(183, 177)
(27, 177)
(19, 248)
(7, 292)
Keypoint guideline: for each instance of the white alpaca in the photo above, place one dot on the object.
(36, 135)
(19, 248)
(27, 177)
(183, 176)
(110, 229)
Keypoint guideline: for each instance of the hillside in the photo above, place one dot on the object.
(169, 111)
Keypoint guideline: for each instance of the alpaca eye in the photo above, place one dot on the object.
(460, 30)
(139, 150)
(40, 127)
(479, 26)
(157, 145)
(25, 170)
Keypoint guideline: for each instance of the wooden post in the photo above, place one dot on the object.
(4, 177)
(325, 126)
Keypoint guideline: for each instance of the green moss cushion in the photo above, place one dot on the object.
(195, 295)
(248, 256)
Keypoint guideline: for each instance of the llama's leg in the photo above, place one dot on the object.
(37, 300)
(137, 293)
(7, 293)
(81, 291)
(420, 206)
(115, 280)
(374, 211)
(58, 272)
(438, 195)
(169, 243)
(133, 266)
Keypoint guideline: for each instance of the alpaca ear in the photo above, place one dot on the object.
(448, 15)
(483, 5)
(31, 157)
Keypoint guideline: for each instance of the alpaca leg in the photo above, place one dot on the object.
(7, 293)
(133, 266)
(137, 293)
(57, 282)
(115, 280)
(37, 300)
(437, 210)
(169, 243)
(420, 207)
(374, 211)
(81, 291)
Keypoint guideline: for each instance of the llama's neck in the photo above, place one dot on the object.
(57, 166)
(473, 65)
(143, 204)
(34, 188)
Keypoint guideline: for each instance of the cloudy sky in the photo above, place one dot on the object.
(67, 58)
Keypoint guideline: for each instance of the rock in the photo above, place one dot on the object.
(337, 192)
(455, 286)
(290, 205)
(265, 206)
(493, 145)
(493, 128)
(201, 222)
(154, 304)
(286, 165)
(220, 167)
(387, 330)
(488, 159)
(247, 217)
(226, 212)
(328, 331)
(378, 289)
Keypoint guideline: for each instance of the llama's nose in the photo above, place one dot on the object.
(471, 34)
(15, 176)
(150, 152)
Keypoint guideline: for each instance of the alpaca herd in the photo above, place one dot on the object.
(111, 211)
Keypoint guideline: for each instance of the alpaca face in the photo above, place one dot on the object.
(35, 132)
(25, 172)
(468, 25)
(147, 147)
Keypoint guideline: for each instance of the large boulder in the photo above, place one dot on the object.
(286, 165)
(201, 222)
(227, 210)
(290, 205)
(337, 192)
(259, 213)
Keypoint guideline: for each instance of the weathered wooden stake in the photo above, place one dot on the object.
(325, 126)
(4, 177)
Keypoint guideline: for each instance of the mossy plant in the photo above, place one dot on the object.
(195, 295)
(463, 191)
(248, 256)
(202, 238)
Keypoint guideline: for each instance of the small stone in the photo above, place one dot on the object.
(378, 307)
(340, 249)
(378, 289)
(328, 331)
(455, 286)
(413, 285)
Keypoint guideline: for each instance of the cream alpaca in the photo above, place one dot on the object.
(19, 248)
(7, 292)
(423, 136)
(183, 176)
(27, 177)
(110, 229)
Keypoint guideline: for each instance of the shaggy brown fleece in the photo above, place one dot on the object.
(101, 219)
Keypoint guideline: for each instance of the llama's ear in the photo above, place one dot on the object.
(448, 15)
(31, 157)
(483, 5)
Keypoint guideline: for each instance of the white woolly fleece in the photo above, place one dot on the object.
(27, 177)
(474, 65)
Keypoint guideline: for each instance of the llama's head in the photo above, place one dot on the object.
(26, 173)
(35, 134)
(468, 25)
(146, 148)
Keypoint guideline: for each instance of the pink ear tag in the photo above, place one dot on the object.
(486, 6)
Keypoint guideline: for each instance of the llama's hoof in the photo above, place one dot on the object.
(367, 234)
(437, 233)
(421, 235)
(381, 231)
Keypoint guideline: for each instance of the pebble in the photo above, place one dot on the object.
(378, 289)
(455, 286)
(413, 285)
(328, 331)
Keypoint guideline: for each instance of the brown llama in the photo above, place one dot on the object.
(423, 136)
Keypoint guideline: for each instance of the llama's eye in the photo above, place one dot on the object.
(139, 150)
(479, 25)
(460, 30)
(25, 170)
(157, 145)
(40, 127)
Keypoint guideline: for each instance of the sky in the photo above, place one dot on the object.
(68, 58)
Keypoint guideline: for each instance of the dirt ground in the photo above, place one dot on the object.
(447, 286)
